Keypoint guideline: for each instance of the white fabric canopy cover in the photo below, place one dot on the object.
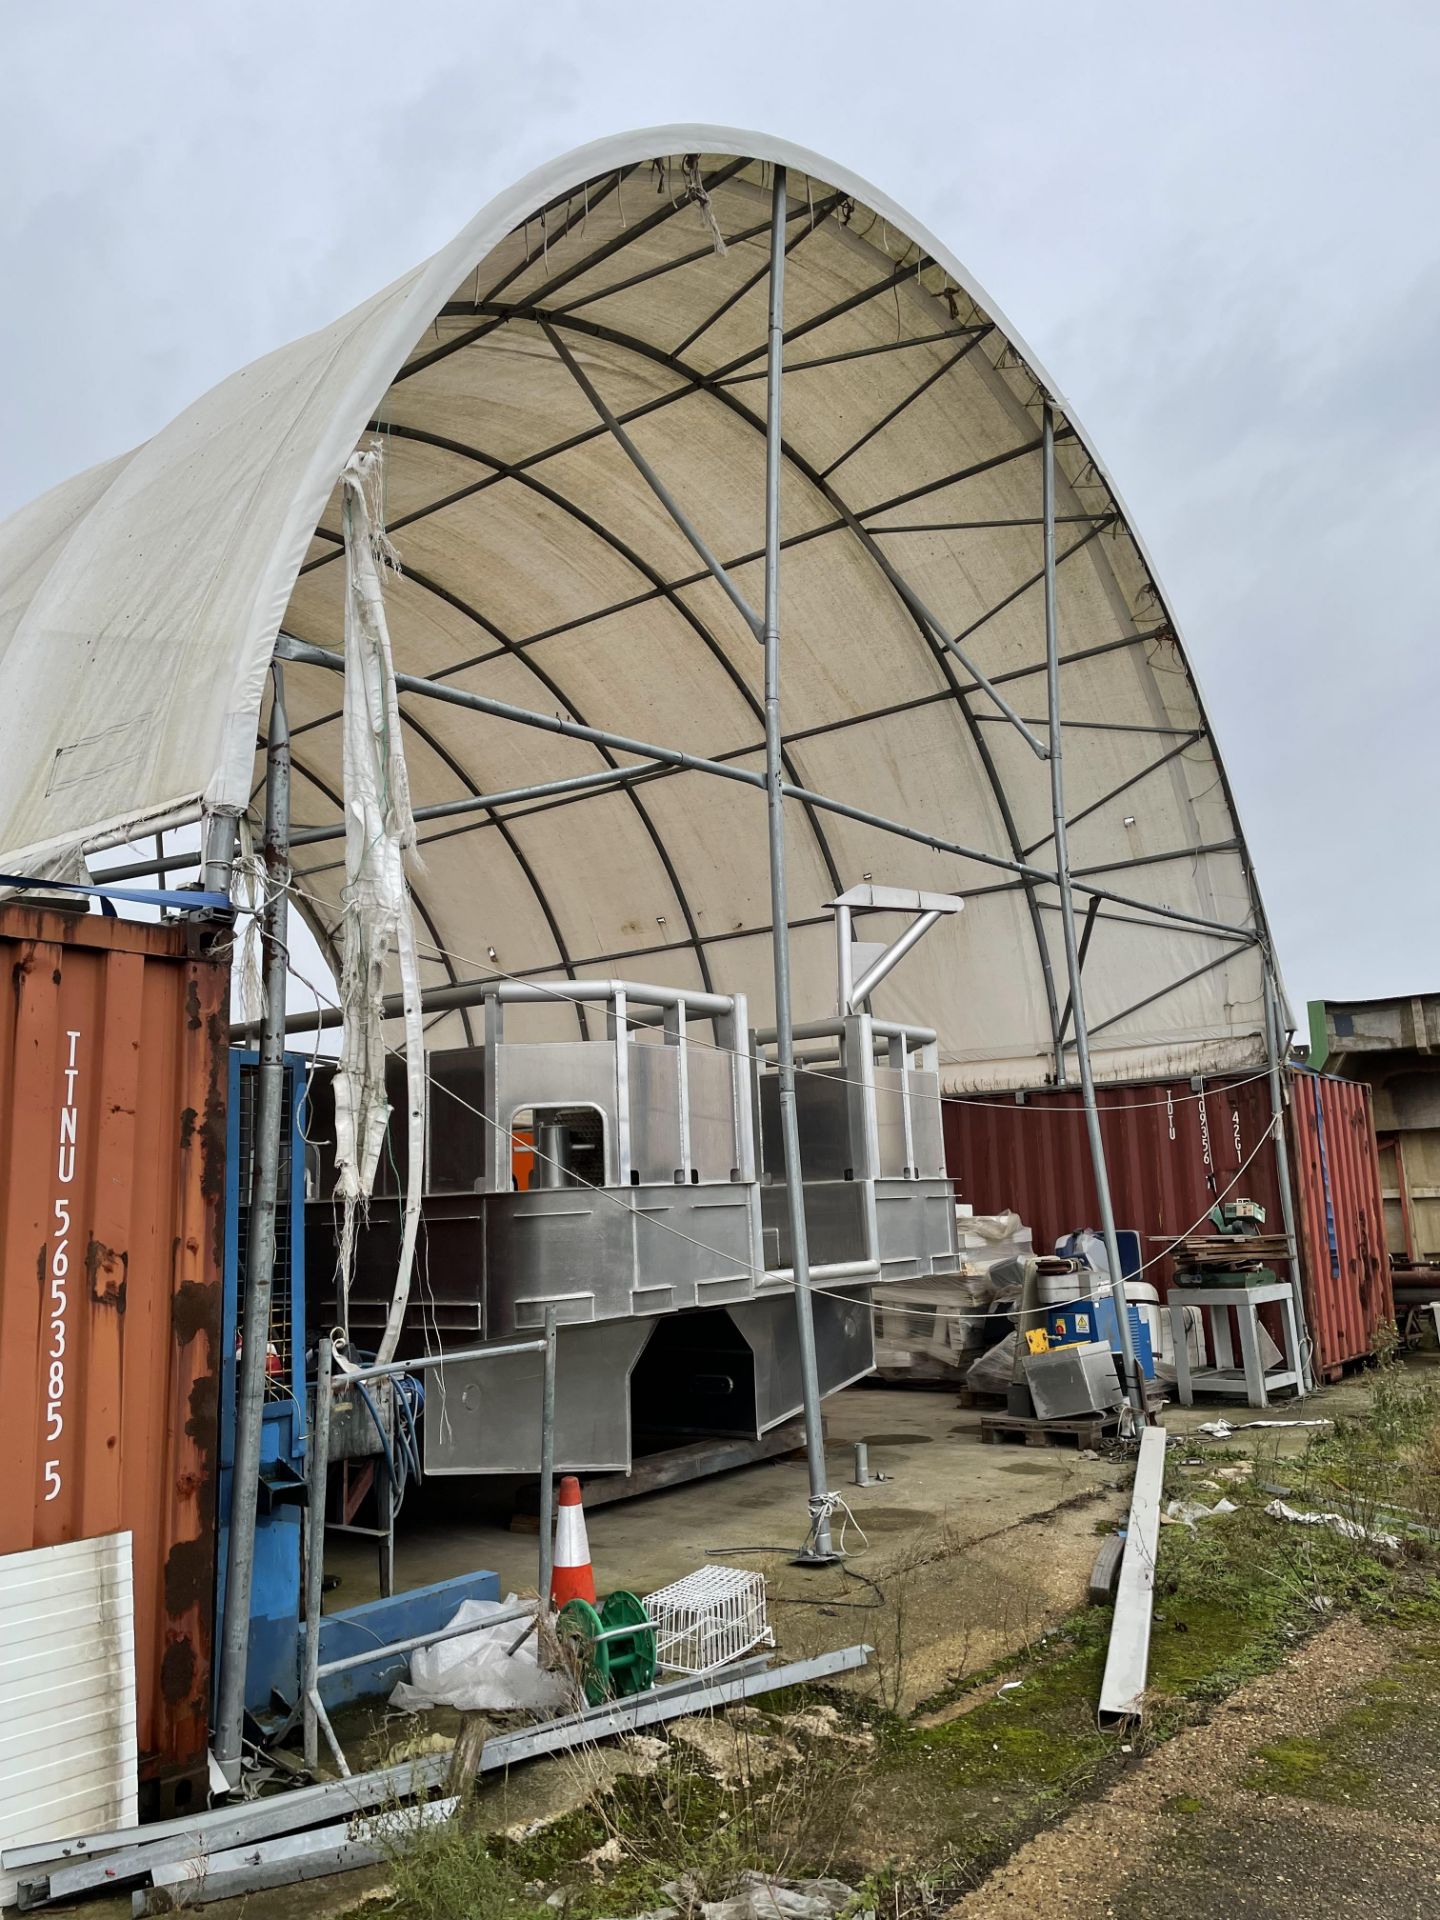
(140, 603)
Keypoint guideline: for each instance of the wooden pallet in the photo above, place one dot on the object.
(969, 1396)
(1085, 1430)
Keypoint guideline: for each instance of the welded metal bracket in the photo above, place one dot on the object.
(863, 964)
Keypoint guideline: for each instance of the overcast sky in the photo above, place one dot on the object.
(1217, 227)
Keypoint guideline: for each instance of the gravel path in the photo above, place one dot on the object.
(1313, 1790)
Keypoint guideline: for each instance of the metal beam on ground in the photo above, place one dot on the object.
(63, 1868)
(1127, 1663)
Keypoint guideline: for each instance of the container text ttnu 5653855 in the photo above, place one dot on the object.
(112, 1157)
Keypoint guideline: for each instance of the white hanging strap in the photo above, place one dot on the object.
(379, 835)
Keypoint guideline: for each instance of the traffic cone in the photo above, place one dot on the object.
(573, 1577)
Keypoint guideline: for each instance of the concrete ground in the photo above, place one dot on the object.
(975, 1548)
(976, 1545)
(940, 1480)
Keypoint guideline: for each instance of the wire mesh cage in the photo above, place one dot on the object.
(708, 1619)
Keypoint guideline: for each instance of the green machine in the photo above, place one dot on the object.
(614, 1645)
(1234, 1253)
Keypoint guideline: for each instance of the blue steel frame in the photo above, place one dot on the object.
(272, 1671)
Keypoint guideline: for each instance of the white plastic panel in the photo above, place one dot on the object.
(67, 1692)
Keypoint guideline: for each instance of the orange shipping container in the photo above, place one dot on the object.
(112, 1166)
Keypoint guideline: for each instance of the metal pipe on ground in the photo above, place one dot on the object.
(1134, 1384)
(60, 1869)
(260, 1251)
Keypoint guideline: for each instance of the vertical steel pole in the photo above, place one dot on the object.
(1067, 919)
(260, 1261)
(547, 1466)
(217, 850)
(317, 1480)
(1282, 1168)
(818, 1546)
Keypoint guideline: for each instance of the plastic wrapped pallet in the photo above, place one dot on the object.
(933, 1330)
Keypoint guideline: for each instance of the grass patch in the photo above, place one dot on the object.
(451, 1873)
(1392, 1733)
(1306, 1770)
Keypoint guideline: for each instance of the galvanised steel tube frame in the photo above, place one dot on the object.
(260, 1249)
(303, 654)
(313, 1716)
(655, 483)
(818, 1549)
(1133, 1385)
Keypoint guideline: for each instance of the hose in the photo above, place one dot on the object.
(397, 1489)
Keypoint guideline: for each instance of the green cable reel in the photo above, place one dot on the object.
(616, 1645)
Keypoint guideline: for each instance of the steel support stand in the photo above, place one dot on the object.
(1304, 1358)
(317, 1479)
(1134, 1386)
(260, 1262)
(818, 1550)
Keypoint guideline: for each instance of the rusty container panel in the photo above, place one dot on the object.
(1340, 1214)
(1170, 1149)
(112, 1162)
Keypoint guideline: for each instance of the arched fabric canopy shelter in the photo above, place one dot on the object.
(620, 294)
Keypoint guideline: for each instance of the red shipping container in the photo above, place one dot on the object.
(1171, 1148)
(112, 1167)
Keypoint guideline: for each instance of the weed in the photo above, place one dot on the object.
(449, 1872)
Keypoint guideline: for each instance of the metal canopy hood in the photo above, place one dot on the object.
(140, 604)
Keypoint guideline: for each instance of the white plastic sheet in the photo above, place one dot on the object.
(476, 1670)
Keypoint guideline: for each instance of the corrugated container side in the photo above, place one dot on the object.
(1169, 1152)
(1340, 1213)
(112, 1163)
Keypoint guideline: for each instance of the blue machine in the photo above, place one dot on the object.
(272, 1673)
(1127, 1241)
(1084, 1321)
(1087, 1320)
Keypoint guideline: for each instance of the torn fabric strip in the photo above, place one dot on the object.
(379, 835)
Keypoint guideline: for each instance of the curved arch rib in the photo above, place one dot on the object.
(708, 384)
